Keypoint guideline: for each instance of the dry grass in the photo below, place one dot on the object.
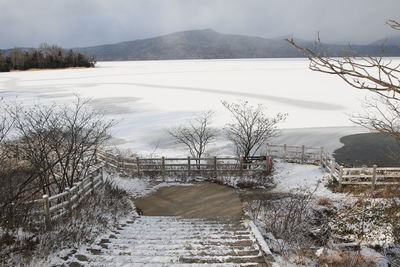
(324, 201)
(336, 258)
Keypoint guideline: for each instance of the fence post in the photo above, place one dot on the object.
(138, 165)
(46, 209)
(121, 160)
(302, 154)
(267, 150)
(215, 166)
(333, 167)
(163, 165)
(118, 161)
(284, 152)
(188, 165)
(241, 167)
(340, 177)
(69, 206)
(322, 156)
(374, 176)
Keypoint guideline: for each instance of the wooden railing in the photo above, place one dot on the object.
(298, 154)
(186, 166)
(371, 176)
(50, 208)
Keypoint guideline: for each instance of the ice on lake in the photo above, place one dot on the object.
(147, 97)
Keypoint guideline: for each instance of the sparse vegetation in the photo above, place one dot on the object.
(45, 150)
(196, 135)
(250, 127)
(99, 213)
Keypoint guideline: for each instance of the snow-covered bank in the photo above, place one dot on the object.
(292, 176)
(148, 96)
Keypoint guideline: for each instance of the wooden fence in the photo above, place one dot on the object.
(186, 166)
(298, 154)
(371, 176)
(50, 208)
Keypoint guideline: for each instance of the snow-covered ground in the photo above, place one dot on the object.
(293, 176)
(146, 97)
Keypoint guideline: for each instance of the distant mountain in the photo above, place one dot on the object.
(209, 44)
(389, 41)
(197, 44)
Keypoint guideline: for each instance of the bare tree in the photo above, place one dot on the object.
(251, 127)
(196, 135)
(376, 74)
(59, 142)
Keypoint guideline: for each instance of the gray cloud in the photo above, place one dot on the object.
(72, 23)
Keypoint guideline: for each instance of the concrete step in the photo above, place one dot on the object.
(197, 236)
(137, 232)
(155, 225)
(177, 241)
(223, 259)
(226, 242)
(160, 264)
(128, 259)
(167, 247)
(183, 252)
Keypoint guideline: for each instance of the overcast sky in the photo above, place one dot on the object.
(73, 23)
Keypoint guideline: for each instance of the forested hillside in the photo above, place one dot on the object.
(44, 57)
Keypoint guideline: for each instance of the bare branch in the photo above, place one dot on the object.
(251, 127)
(196, 135)
(369, 73)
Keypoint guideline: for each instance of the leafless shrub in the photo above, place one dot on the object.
(99, 213)
(196, 135)
(288, 218)
(337, 258)
(59, 142)
(51, 148)
(251, 127)
(324, 201)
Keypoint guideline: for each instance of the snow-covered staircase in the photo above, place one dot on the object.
(180, 241)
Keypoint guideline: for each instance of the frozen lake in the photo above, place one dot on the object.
(146, 97)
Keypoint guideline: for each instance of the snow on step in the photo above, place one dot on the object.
(180, 241)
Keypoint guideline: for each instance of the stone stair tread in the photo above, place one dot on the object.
(223, 259)
(186, 237)
(182, 233)
(188, 226)
(184, 253)
(174, 259)
(229, 242)
(189, 229)
(177, 241)
(161, 264)
(197, 247)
